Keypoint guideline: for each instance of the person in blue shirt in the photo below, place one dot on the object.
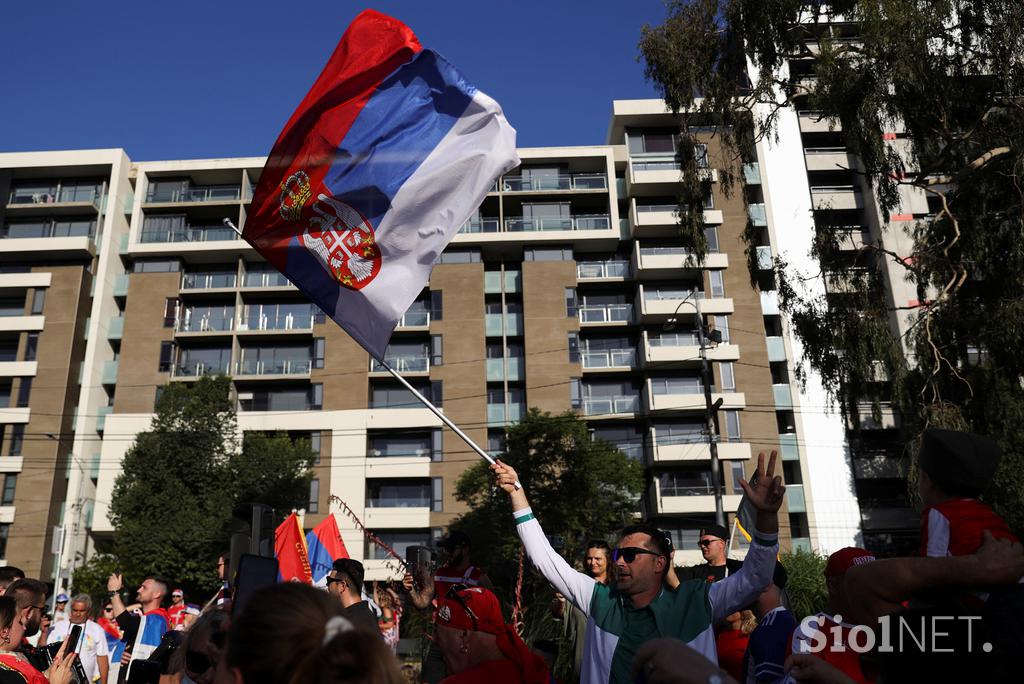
(769, 643)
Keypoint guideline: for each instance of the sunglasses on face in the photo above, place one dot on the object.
(707, 542)
(198, 663)
(630, 553)
(453, 594)
(335, 580)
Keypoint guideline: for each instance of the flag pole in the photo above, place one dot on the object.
(437, 412)
(416, 393)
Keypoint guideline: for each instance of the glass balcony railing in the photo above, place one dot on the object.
(597, 406)
(610, 358)
(115, 327)
(602, 269)
(752, 173)
(205, 323)
(195, 193)
(776, 349)
(788, 447)
(661, 295)
(674, 340)
(265, 279)
(188, 234)
(562, 181)
(48, 229)
(663, 251)
(414, 319)
(546, 223)
(698, 488)
(496, 369)
(484, 225)
(264, 317)
(496, 325)
(399, 502)
(273, 367)
(611, 313)
(101, 417)
(121, 285)
(54, 194)
(795, 499)
(208, 281)
(757, 214)
(402, 364)
(500, 414)
(783, 396)
(109, 376)
(192, 369)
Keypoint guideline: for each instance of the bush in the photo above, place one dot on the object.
(805, 586)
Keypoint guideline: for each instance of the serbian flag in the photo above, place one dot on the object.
(387, 156)
(325, 546)
(290, 550)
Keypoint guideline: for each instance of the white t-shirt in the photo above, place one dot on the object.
(91, 645)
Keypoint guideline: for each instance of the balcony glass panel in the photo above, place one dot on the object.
(178, 191)
(195, 361)
(207, 280)
(175, 229)
(788, 447)
(795, 498)
(595, 406)
(264, 275)
(121, 285)
(33, 193)
(611, 313)
(688, 484)
(609, 358)
(776, 349)
(602, 269)
(49, 228)
(674, 340)
(398, 493)
(400, 445)
(542, 223)
(662, 386)
(783, 396)
(481, 225)
(670, 293)
(757, 214)
(275, 360)
(415, 318)
(555, 181)
(285, 316)
(206, 319)
(398, 541)
(680, 433)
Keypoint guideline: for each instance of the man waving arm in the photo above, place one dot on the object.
(575, 586)
(741, 588)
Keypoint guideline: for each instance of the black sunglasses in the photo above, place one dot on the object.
(630, 553)
(198, 663)
(335, 580)
(453, 594)
(707, 542)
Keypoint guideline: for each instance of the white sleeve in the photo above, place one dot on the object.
(938, 535)
(575, 586)
(56, 634)
(100, 637)
(740, 588)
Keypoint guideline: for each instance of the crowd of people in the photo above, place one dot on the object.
(629, 615)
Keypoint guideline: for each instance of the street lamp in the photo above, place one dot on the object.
(710, 408)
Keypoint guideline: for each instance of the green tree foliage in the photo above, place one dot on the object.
(950, 73)
(171, 505)
(805, 582)
(579, 488)
(91, 577)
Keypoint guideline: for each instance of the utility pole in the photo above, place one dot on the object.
(710, 416)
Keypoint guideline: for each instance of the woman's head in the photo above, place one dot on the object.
(8, 611)
(597, 559)
(202, 647)
(292, 633)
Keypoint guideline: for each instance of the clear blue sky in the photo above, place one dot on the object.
(219, 78)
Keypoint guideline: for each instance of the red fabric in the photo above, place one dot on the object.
(329, 536)
(444, 576)
(371, 49)
(290, 549)
(31, 674)
(968, 518)
(176, 616)
(161, 612)
(846, 661)
(492, 672)
(844, 559)
(732, 646)
(110, 627)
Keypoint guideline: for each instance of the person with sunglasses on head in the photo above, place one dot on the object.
(477, 645)
(345, 583)
(639, 608)
(113, 634)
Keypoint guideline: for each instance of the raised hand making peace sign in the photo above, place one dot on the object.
(766, 493)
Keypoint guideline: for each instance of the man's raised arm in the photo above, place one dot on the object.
(575, 586)
(740, 589)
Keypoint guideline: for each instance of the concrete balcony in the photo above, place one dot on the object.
(685, 402)
(662, 305)
(608, 359)
(668, 262)
(21, 323)
(816, 122)
(682, 349)
(829, 159)
(14, 369)
(659, 175)
(673, 501)
(25, 279)
(697, 451)
(14, 415)
(826, 197)
(81, 247)
(662, 220)
(398, 466)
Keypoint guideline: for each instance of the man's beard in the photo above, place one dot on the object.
(31, 628)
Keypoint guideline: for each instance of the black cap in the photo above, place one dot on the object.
(959, 460)
(352, 569)
(454, 539)
(780, 576)
(715, 531)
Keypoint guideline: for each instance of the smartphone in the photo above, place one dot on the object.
(254, 573)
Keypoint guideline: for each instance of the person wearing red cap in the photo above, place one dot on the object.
(477, 645)
(823, 625)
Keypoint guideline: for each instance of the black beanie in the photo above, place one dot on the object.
(959, 461)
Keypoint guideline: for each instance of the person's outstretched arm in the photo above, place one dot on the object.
(575, 586)
(740, 588)
(879, 588)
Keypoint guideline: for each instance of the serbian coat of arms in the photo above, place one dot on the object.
(337, 234)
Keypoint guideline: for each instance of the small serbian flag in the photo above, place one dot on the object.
(290, 550)
(388, 155)
(325, 546)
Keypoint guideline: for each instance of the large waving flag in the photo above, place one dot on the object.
(325, 546)
(290, 550)
(384, 160)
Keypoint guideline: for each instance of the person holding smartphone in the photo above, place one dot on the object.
(92, 644)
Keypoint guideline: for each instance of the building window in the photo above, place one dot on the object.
(437, 489)
(436, 305)
(436, 350)
(10, 484)
(571, 306)
(38, 302)
(170, 311)
(401, 444)
(459, 256)
(166, 357)
(318, 352)
(398, 540)
(575, 393)
(5, 530)
(24, 390)
(314, 496)
(17, 439)
(156, 266)
(574, 347)
(728, 376)
(717, 284)
(316, 397)
(547, 254)
(732, 426)
(722, 326)
(711, 235)
(315, 445)
(158, 395)
(31, 346)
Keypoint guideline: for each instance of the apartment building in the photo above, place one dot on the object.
(567, 289)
